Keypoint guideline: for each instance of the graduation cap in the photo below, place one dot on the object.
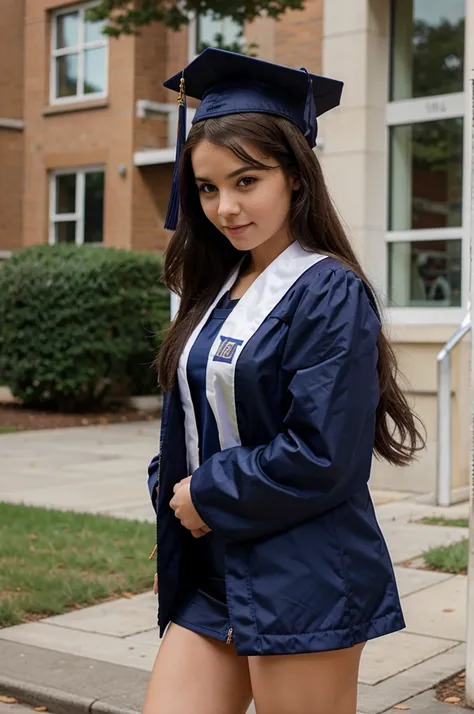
(232, 83)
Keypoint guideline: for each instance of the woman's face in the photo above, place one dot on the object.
(249, 206)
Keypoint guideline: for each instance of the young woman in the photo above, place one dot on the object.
(279, 386)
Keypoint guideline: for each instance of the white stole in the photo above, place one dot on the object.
(241, 324)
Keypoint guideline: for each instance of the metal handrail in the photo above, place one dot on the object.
(443, 466)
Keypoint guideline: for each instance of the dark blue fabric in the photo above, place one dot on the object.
(233, 83)
(204, 608)
(210, 549)
(306, 565)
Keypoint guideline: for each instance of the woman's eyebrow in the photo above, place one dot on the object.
(242, 171)
(231, 175)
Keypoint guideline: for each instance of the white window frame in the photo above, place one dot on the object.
(80, 49)
(420, 110)
(78, 217)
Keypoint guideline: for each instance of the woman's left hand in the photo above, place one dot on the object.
(183, 507)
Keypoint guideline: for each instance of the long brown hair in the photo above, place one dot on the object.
(199, 257)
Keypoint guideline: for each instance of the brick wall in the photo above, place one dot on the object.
(105, 132)
(76, 135)
(150, 70)
(159, 54)
(298, 37)
(11, 189)
(11, 107)
(11, 59)
(150, 201)
(176, 51)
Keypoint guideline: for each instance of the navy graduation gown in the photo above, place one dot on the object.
(203, 605)
(306, 565)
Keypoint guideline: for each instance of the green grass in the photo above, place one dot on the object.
(7, 429)
(456, 522)
(450, 558)
(54, 561)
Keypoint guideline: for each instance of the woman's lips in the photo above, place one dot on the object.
(237, 230)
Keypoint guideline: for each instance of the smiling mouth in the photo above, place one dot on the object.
(237, 228)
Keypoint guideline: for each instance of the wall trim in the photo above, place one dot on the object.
(15, 124)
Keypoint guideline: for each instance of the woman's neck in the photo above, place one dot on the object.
(263, 255)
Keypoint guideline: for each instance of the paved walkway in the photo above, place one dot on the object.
(15, 708)
(98, 659)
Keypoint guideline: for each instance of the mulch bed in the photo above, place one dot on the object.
(18, 418)
(451, 691)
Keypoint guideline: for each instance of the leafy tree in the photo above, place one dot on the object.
(238, 45)
(125, 17)
(438, 57)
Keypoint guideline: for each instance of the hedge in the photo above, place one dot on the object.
(80, 322)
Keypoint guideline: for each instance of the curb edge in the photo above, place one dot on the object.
(58, 701)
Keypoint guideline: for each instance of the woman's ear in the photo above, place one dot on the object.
(295, 184)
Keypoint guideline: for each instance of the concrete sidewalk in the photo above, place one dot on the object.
(98, 659)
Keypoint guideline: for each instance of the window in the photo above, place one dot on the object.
(426, 175)
(425, 273)
(79, 57)
(427, 48)
(425, 117)
(77, 206)
(212, 32)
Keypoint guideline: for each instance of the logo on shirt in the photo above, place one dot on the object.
(227, 349)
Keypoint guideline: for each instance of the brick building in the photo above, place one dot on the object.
(86, 153)
(86, 129)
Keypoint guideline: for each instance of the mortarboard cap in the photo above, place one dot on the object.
(232, 83)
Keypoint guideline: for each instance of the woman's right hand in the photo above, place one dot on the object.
(201, 532)
(155, 585)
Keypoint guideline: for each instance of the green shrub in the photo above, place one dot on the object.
(77, 323)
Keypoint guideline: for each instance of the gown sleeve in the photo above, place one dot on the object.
(309, 467)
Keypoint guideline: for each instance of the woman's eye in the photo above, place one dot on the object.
(247, 181)
(207, 188)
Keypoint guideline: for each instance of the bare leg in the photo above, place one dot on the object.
(320, 683)
(198, 675)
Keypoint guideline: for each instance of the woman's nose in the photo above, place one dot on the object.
(228, 204)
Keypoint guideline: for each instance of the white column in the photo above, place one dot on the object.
(469, 251)
(356, 50)
(468, 183)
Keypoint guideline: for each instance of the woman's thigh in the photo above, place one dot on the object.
(197, 674)
(320, 683)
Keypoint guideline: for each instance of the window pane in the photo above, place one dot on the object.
(65, 232)
(66, 193)
(206, 29)
(67, 30)
(232, 31)
(426, 175)
(93, 31)
(427, 48)
(425, 274)
(212, 32)
(94, 208)
(94, 70)
(66, 76)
